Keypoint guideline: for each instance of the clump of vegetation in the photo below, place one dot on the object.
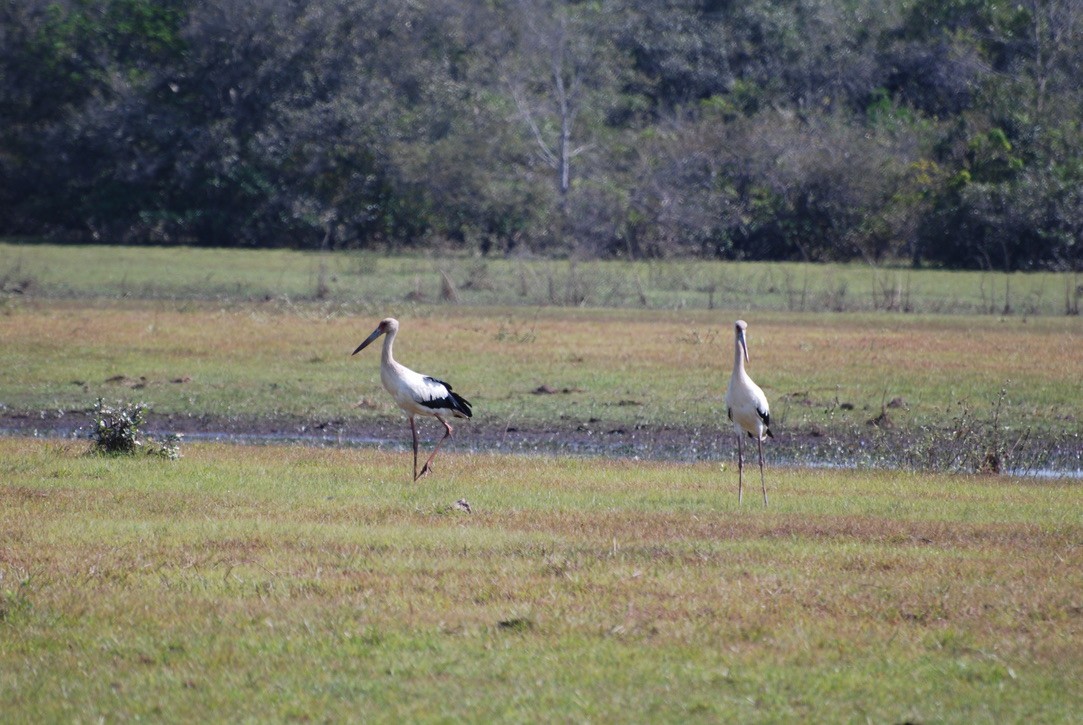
(511, 332)
(13, 281)
(118, 432)
(972, 444)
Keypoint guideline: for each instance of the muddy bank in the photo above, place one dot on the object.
(866, 446)
(571, 437)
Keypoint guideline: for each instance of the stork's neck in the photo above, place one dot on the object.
(738, 358)
(386, 357)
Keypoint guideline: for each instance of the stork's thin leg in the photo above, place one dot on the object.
(740, 471)
(413, 429)
(763, 483)
(425, 469)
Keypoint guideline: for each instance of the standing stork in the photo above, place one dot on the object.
(415, 393)
(746, 406)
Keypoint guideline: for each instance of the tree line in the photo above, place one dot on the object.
(945, 132)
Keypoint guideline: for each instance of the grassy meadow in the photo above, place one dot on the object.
(826, 374)
(374, 281)
(264, 583)
(295, 583)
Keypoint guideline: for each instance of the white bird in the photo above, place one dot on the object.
(746, 406)
(415, 393)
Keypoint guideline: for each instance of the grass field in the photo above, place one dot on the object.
(294, 583)
(369, 280)
(826, 374)
(291, 583)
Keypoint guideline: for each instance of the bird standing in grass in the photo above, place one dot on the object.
(746, 406)
(415, 393)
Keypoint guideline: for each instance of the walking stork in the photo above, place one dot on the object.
(746, 406)
(415, 393)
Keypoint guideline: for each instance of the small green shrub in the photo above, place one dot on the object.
(118, 432)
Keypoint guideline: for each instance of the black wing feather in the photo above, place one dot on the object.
(452, 401)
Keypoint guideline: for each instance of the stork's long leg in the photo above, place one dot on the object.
(763, 483)
(428, 463)
(740, 471)
(413, 429)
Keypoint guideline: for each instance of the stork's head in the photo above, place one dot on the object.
(739, 328)
(387, 325)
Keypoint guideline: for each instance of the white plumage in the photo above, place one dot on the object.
(415, 393)
(747, 407)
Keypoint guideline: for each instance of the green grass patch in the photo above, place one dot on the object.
(290, 583)
(373, 280)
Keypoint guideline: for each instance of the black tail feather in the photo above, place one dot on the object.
(461, 404)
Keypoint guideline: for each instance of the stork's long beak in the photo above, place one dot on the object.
(375, 333)
(744, 345)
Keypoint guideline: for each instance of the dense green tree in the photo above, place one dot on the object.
(939, 132)
(1014, 147)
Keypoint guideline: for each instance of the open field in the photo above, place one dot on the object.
(615, 375)
(611, 370)
(292, 583)
(633, 382)
(370, 280)
(234, 338)
(288, 582)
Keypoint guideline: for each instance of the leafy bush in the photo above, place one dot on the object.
(118, 432)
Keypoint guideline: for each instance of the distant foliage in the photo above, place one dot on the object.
(933, 131)
(118, 432)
